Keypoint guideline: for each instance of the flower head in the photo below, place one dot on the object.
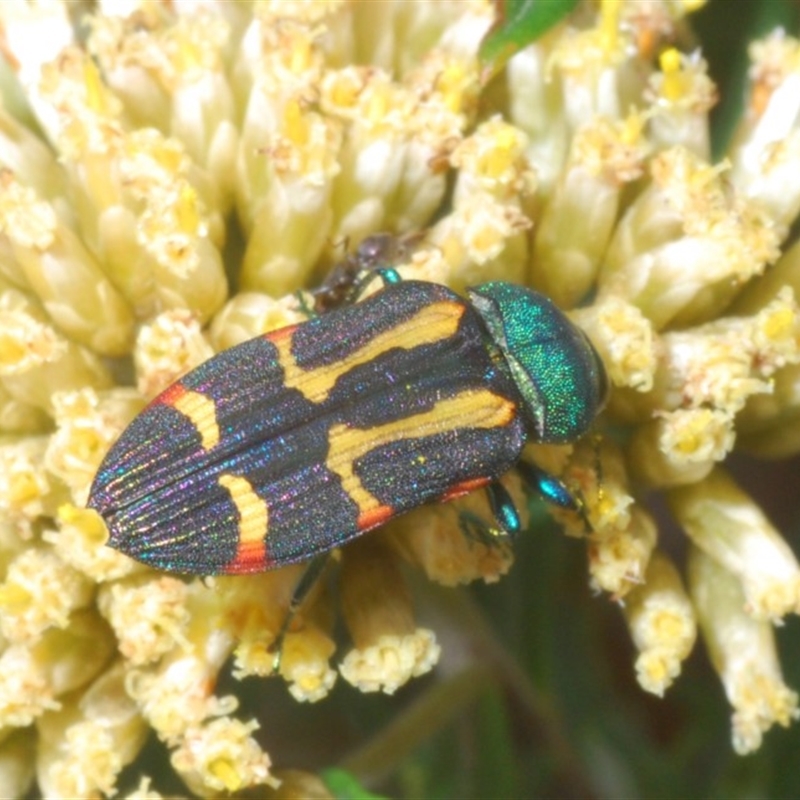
(177, 179)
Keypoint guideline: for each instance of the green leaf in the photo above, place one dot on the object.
(344, 786)
(519, 22)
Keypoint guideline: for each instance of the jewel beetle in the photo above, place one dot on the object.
(292, 443)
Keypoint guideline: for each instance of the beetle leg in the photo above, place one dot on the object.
(388, 275)
(305, 308)
(505, 515)
(553, 490)
(503, 509)
(308, 580)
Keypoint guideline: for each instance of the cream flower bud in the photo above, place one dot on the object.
(493, 160)
(579, 215)
(166, 349)
(35, 361)
(305, 662)
(484, 236)
(148, 615)
(222, 756)
(448, 543)
(17, 762)
(717, 367)
(256, 609)
(535, 105)
(661, 621)
(63, 274)
(681, 95)
(251, 314)
(35, 675)
(391, 660)
(388, 178)
(175, 694)
(680, 447)
(32, 162)
(625, 340)
(686, 243)
(412, 128)
(618, 559)
(25, 692)
(591, 63)
(33, 35)
(730, 528)
(427, 263)
(742, 649)
(766, 151)
(769, 425)
(389, 648)
(26, 491)
(87, 422)
(138, 208)
(40, 591)
(284, 185)
(80, 541)
(482, 239)
(171, 77)
(18, 417)
(596, 474)
(84, 746)
(766, 288)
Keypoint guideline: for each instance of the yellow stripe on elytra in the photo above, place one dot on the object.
(202, 413)
(472, 408)
(432, 323)
(253, 515)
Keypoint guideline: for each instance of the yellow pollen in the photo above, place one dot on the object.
(295, 124)
(670, 63)
(222, 769)
(609, 21)
(345, 93)
(14, 598)
(94, 86)
(378, 105)
(186, 210)
(188, 56)
(779, 324)
(632, 129)
(300, 56)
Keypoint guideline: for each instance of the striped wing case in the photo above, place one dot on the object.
(294, 442)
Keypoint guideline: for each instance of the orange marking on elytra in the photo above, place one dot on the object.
(200, 410)
(281, 335)
(251, 553)
(251, 557)
(465, 487)
(170, 395)
(374, 517)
